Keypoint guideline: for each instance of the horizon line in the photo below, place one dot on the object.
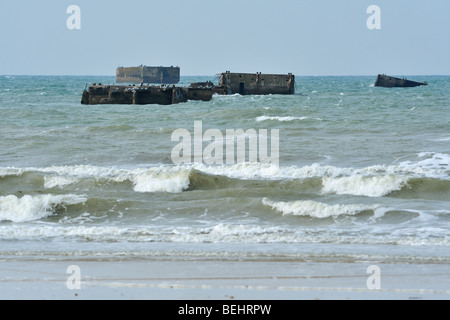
(199, 75)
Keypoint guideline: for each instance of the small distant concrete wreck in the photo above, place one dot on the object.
(166, 94)
(393, 82)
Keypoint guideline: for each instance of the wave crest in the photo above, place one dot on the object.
(317, 209)
(161, 180)
(29, 208)
(278, 118)
(369, 186)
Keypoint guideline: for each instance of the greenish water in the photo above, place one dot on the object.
(362, 170)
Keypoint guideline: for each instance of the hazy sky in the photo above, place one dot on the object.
(206, 37)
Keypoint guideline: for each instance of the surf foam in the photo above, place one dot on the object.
(316, 209)
(375, 186)
(58, 181)
(4, 172)
(153, 179)
(278, 118)
(373, 181)
(172, 180)
(433, 160)
(29, 208)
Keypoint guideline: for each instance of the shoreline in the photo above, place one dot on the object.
(205, 279)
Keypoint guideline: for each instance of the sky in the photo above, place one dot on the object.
(207, 37)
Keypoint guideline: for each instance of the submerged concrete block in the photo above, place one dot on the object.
(391, 82)
(131, 94)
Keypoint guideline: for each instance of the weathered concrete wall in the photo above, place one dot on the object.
(166, 75)
(152, 95)
(145, 94)
(257, 83)
(203, 94)
(119, 95)
(107, 94)
(129, 74)
(144, 74)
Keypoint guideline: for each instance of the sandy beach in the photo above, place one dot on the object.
(182, 278)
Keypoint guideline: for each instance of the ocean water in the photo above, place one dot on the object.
(364, 173)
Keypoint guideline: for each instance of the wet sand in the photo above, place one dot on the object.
(215, 279)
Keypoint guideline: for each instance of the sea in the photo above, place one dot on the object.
(362, 174)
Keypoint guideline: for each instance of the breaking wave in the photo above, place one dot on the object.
(160, 180)
(426, 177)
(430, 160)
(369, 186)
(281, 119)
(225, 233)
(29, 208)
(316, 209)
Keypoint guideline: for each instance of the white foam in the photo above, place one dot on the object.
(64, 174)
(106, 233)
(58, 181)
(281, 119)
(161, 180)
(373, 181)
(433, 160)
(316, 209)
(4, 172)
(153, 179)
(268, 171)
(226, 233)
(87, 171)
(242, 170)
(376, 186)
(29, 208)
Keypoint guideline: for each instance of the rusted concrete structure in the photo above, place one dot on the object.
(391, 82)
(257, 83)
(144, 74)
(230, 83)
(146, 94)
(122, 94)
